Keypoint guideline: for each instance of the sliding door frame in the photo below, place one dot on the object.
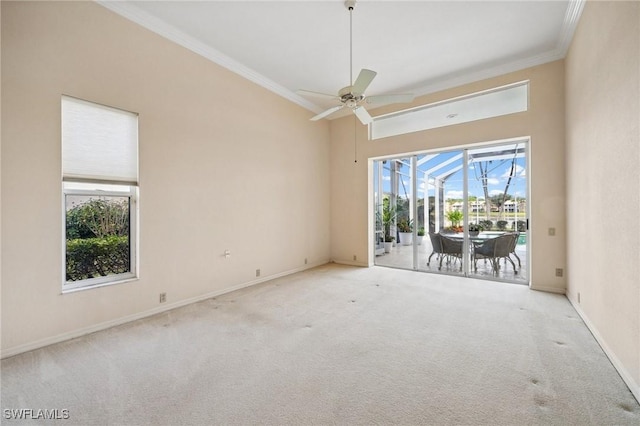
(466, 263)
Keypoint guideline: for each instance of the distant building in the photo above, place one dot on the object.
(474, 206)
(477, 206)
(512, 206)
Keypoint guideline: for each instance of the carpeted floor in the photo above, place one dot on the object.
(336, 345)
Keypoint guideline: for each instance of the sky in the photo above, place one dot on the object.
(497, 177)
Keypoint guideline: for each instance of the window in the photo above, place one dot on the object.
(100, 191)
(476, 106)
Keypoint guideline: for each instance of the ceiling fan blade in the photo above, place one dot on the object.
(363, 115)
(390, 99)
(327, 112)
(316, 94)
(363, 81)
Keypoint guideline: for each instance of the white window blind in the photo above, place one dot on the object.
(99, 143)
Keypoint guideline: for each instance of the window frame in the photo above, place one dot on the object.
(132, 194)
(110, 136)
(451, 111)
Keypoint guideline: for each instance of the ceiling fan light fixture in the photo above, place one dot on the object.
(353, 95)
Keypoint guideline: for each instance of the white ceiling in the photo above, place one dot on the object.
(415, 46)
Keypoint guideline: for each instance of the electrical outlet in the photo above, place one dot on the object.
(552, 232)
(578, 297)
(163, 297)
(305, 260)
(559, 272)
(257, 272)
(355, 257)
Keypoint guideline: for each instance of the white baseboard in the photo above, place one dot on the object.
(6, 353)
(350, 263)
(626, 377)
(550, 289)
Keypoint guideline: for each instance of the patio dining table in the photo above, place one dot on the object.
(476, 240)
(481, 237)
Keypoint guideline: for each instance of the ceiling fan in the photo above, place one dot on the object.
(353, 96)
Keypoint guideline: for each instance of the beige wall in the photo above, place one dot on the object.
(224, 164)
(543, 122)
(603, 179)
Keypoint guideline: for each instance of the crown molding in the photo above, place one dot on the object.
(483, 74)
(140, 17)
(571, 18)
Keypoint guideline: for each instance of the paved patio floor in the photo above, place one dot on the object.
(402, 257)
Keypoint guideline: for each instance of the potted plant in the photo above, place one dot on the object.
(388, 243)
(454, 216)
(420, 236)
(388, 219)
(474, 229)
(405, 232)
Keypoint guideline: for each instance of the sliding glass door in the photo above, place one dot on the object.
(498, 210)
(393, 189)
(441, 176)
(461, 212)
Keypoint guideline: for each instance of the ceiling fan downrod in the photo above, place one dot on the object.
(353, 95)
(350, 5)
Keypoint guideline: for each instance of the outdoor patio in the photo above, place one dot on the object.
(401, 256)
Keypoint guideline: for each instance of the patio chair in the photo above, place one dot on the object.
(450, 249)
(493, 250)
(512, 249)
(437, 246)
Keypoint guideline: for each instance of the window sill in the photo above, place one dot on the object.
(92, 286)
